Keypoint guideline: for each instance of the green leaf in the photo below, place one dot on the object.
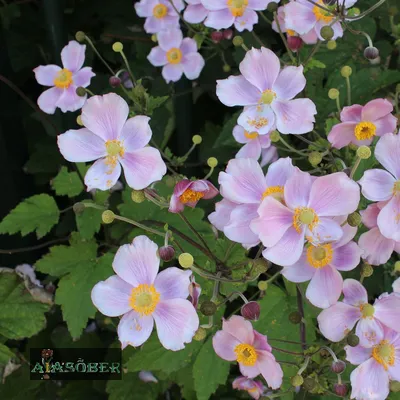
(88, 222)
(37, 213)
(313, 63)
(67, 183)
(155, 102)
(5, 354)
(209, 371)
(18, 386)
(20, 315)
(226, 138)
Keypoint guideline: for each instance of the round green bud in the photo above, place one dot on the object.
(212, 162)
(78, 208)
(333, 94)
(309, 383)
(353, 12)
(108, 217)
(395, 386)
(295, 317)
(353, 340)
(346, 71)
(200, 334)
(138, 196)
(185, 260)
(262, 285)
(226, 68)
(272, 7)
(79, 120)
(354, 219)
(208, 308)
(274, 136)
(81, 91)
(397, 266)
(327, 32)
(314, 158)
(366, 270)
(117, 47)
(197, 139)
(260, 266)
(297, 380)
(80, 36)
(364, 152)
(237, 41)
(331, 45)
(154, 38)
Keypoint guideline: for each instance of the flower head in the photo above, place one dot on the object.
(195, 12)
(254, 388)
(338, 320)
(253, 143)
(144, 297)
(64, 81)
(238, 341)
(267, 93)
(112, 140)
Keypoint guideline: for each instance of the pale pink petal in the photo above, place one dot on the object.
(136, 133)
(239, 328)
(279, 172)
(83, 77)
(260, 5)
(369, 216)
(102, 175)
(137, 263)
(239, 135)
(250, 150)
(268, 155)
(377, 185)
(188, 46)
(157, 57)
(214, 4)
(389, 219)
(219, 19)
(176, 322)
(111, 297)
(358, 354)
(387, 152)
(387, 311)
(261, 342)
(156, 25)
(297, 189)
(269, 369)
(351, 113)
(47, 101)
(338, 320)
(170, 39)
(394, 370)
(193, 64)
(299, 18)
(173, 283)
(249, 371)
(224, 344)
(396, 285)
(260, 119)
(195, 13)
(172, 72)
(221, 216)
(370, 331)
(347, 257)
(73, 56)
(81, 145)
(144, 8)
(354, 293)
(301, 271)
(246, 21)
(376, 249)
(134, 329)
(327, 230)
(348, 233)
(376, 109)
(45, 74)
(237, 91)
(342, 134)
(385, 125)
(291, 81)
(70, 101)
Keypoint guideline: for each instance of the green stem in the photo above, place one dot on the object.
(348, 90)
(260, 42)
(338, 104)
(313, 52)
(284, 39)
(354, 169)
(290, 147)
(128, 67)
(265, 18)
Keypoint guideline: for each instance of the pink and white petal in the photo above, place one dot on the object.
(173, 283)
(327, 194)
(137, 263)
(269, 369)
(179, 5)
(237, 91)
(172, 72)
(144, 8)
(195, 13)
(105, 115)
(348, 233)
(73, 56)
(239, 328)
(301, 271)
(101, 175)
(369, 216)
(261, 342)
(387, 152)
(377, 185)
(134, 329)
(136, 133)
(249, 371)
(239, 135)
(246, 21)
(376, 249)
(389, 219)
(297, 189)
(358, 354)
(279, 172)
(157, 57)
(394, 370)
(351, 113)
(250, 150)
(347, 257)
(188, 46)
(111, 297)
(213, 5)
(260, 119)
(81, 145)
(169, 39)
(342, 134)
(261, 68)
(299, 18)
(224, 345)
(370, 331)
(83, 77)
(385, 125)
(354, 293)
(338, 320)
(211, 190)
(387, 311)
(265, 141)
(70, 101)
(143, 167)
(222, 214)
(193, 64)
(268, 155)
(45, 74)
(156, 25)
(327, 230)
(291, 81)
(175, 205)
(176, 322)
(219, 19)
(376, 109)
(260, 5)
(325, 287)
(47, 101)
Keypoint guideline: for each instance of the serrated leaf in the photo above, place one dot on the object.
(67, 183)
(18, 386)
(5, 354)
(155, 102)
(37, 213)
(88, 222)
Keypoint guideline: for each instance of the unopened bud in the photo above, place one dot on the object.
(200, 334)
(108, 217)
(117, 47)
(274, 136)
(80, 36)
(327, 32)
(366, 270)
(78, 208)
(294, 42)
(212, 162)
(81, 91)
(260, 266)
(346, 71)
(197, 139)
(338, 366)
(114, 81)
(295, 317)
(333, 94)
(166, 253)
(272, 7)
(314, 158)
(208, 308)
(354, 219)
(340, 389)
(251, 311)
(237, 41)
(228, 34)
(364, 152)
(185, 260)
(309, 384)
(371, 53)
(154, 38)
(397, 266)
(226, 68)
(324, 353)
(217, 36)
(79, 120)
(263, 285)
(331, 45)
(395, 386)
(353, 340)
(297, 380)
(138, 196)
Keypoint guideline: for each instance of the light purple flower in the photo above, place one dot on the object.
(360, 124)
(64, 81)
(195, 12)
(338, 320)
(177, 56)
(254, 388)
(241, 13)
(188, 193)
(377, 366)
(112, 140)
(320, 264)
(380, 185)
(144, 297)
(253, 143)
(307, 211)
(160, 14)
(267, 93)
(238, 341)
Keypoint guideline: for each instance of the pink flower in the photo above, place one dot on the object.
(188, 193)
(254, 388)
(268, 156)
(360, 124)
(267, 94)
(376, 248)
(244, 186)
(338, 320)
(321, 264)
(177, 56)
(309, 204)
(195, 12)
(241, 13)
(144, 297)
(194, 292)
(253, 143)
(239, 342)
(112, 140)
(376, 367)
(159, 14)
(64, 81)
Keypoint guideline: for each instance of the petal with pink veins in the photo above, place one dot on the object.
(279, 172)
(224, 344)
(358, 354)
(134, 329)
(239, 328)
(170, 39)
(301, 271)
(193, 64)
(342, 134)
(157, 57)
(385, 125)
(387, 311)
(389, 219)
(73, 56)
(376, 109)
(250, 150)
(102, 175)
(387, 152)
(269, 369)
(221, 216)
(47, 101)
(351, 113)
(219, 19)
(297, 189)
(173, 283)
(291, 81)
(377, 185)
(370, 331)
(136, 133)
(354, 293)
(83, 77)
(299, 18)
(347, 257)
(375, 248)
(195, 13)
(369, 216)
(237, 91)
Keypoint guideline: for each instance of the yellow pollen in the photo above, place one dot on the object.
(237, 7)
(319, 256)
(160, 11)
(245, 354)
(251, 135)
(274, 191)
(257, 123)
(290, 32)
(189, 196)
(63, 80)
(268, 96)
(321, 14)
(396, 187)
(114, 148)
(144, 299)
(365, 130)
(384, 353)
(174, 56)
(305, 216)
(367, 310)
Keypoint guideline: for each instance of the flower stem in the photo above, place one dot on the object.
(348, 90)
(128, 67)
(290, 147)
(354, 169)
(284, 39)
(301, 312)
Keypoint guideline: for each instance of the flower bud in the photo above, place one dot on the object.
(309, 383)
(228, 34)
(366, 270)
(346, 71)
(295, 317)
(108, 217)
(260, 266)
(353, 340)
(79, 120)
(297, 380)
(364, 152)
(314, 158)
(138, 196)
(208, 308)
(217, 36)
(338, 366)
(395, 386)
(333, 94)
(295, 43)
(354, 219)
(81, 91)
(78, 208)
(237, 41)
(226, 68)
(371, 53)
(166, 253)
(185, 260)
(272, 7)
(114, 81)
(331, 45)
(200, 334)
(212, 162)
(340, 389)
(197, 139)
(274, 136)
(397, 266)
(118, 47)
(324, 353)
(80, 36)
(251, 311)
(353, 12)
(262, 285)
(327, 32)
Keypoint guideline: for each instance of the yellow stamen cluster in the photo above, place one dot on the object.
(267, 96)
(160, 11)
(396, 187)
(275, 191)
(237, 7)
(174, 56)
(144, 299)
(319, 256)
(320, 14)
(251, 135)
(365, 130)
(257, 123)
(114, 149)
(189, 196)
(245, 354)
(63, 79)
(384, 353)
(305, 216)
(367, 310)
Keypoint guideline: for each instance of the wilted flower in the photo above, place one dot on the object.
(112, 140)
(64, 81)
(195, 12)
(194, 292)
(144, 297)
(253, 143)
(254, 388)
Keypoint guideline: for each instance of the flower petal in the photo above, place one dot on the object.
(377, 185)
(297, 189)
(376, 109)
(169, 39)
(195, 13)
(45, 74)
(327, 230)
(136, 133)
(221, 216)
(249, 371)
(389, 219)
(270, 369)
(291, 81)
(376, 249)
(358, 354)
(347, 257)
(70, 101)
(299, 18)
(219, 19)
(354, 293)
(102, 175)
(369, 216)
(246, 21)
(224, 344)
(385, 125)
(239, 328)
(370, 331)
(250, 150)
(387, 311)
(193, 64)
(73, 56)
(47, 101)
(342, 134)
(237, 91)
(172, 72)
(351, 113)
(260, 119)
(173, 283)
(157, 57)
(134, 329)
(387, 152)
(279, 172)
(83, 77)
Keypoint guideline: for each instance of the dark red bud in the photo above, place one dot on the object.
(217, 36)
(340, 389)
(251, 311)
(338, 366)
(114, 81)
(294, 42)
(228, 34)
(371, 53)
(166, 253)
